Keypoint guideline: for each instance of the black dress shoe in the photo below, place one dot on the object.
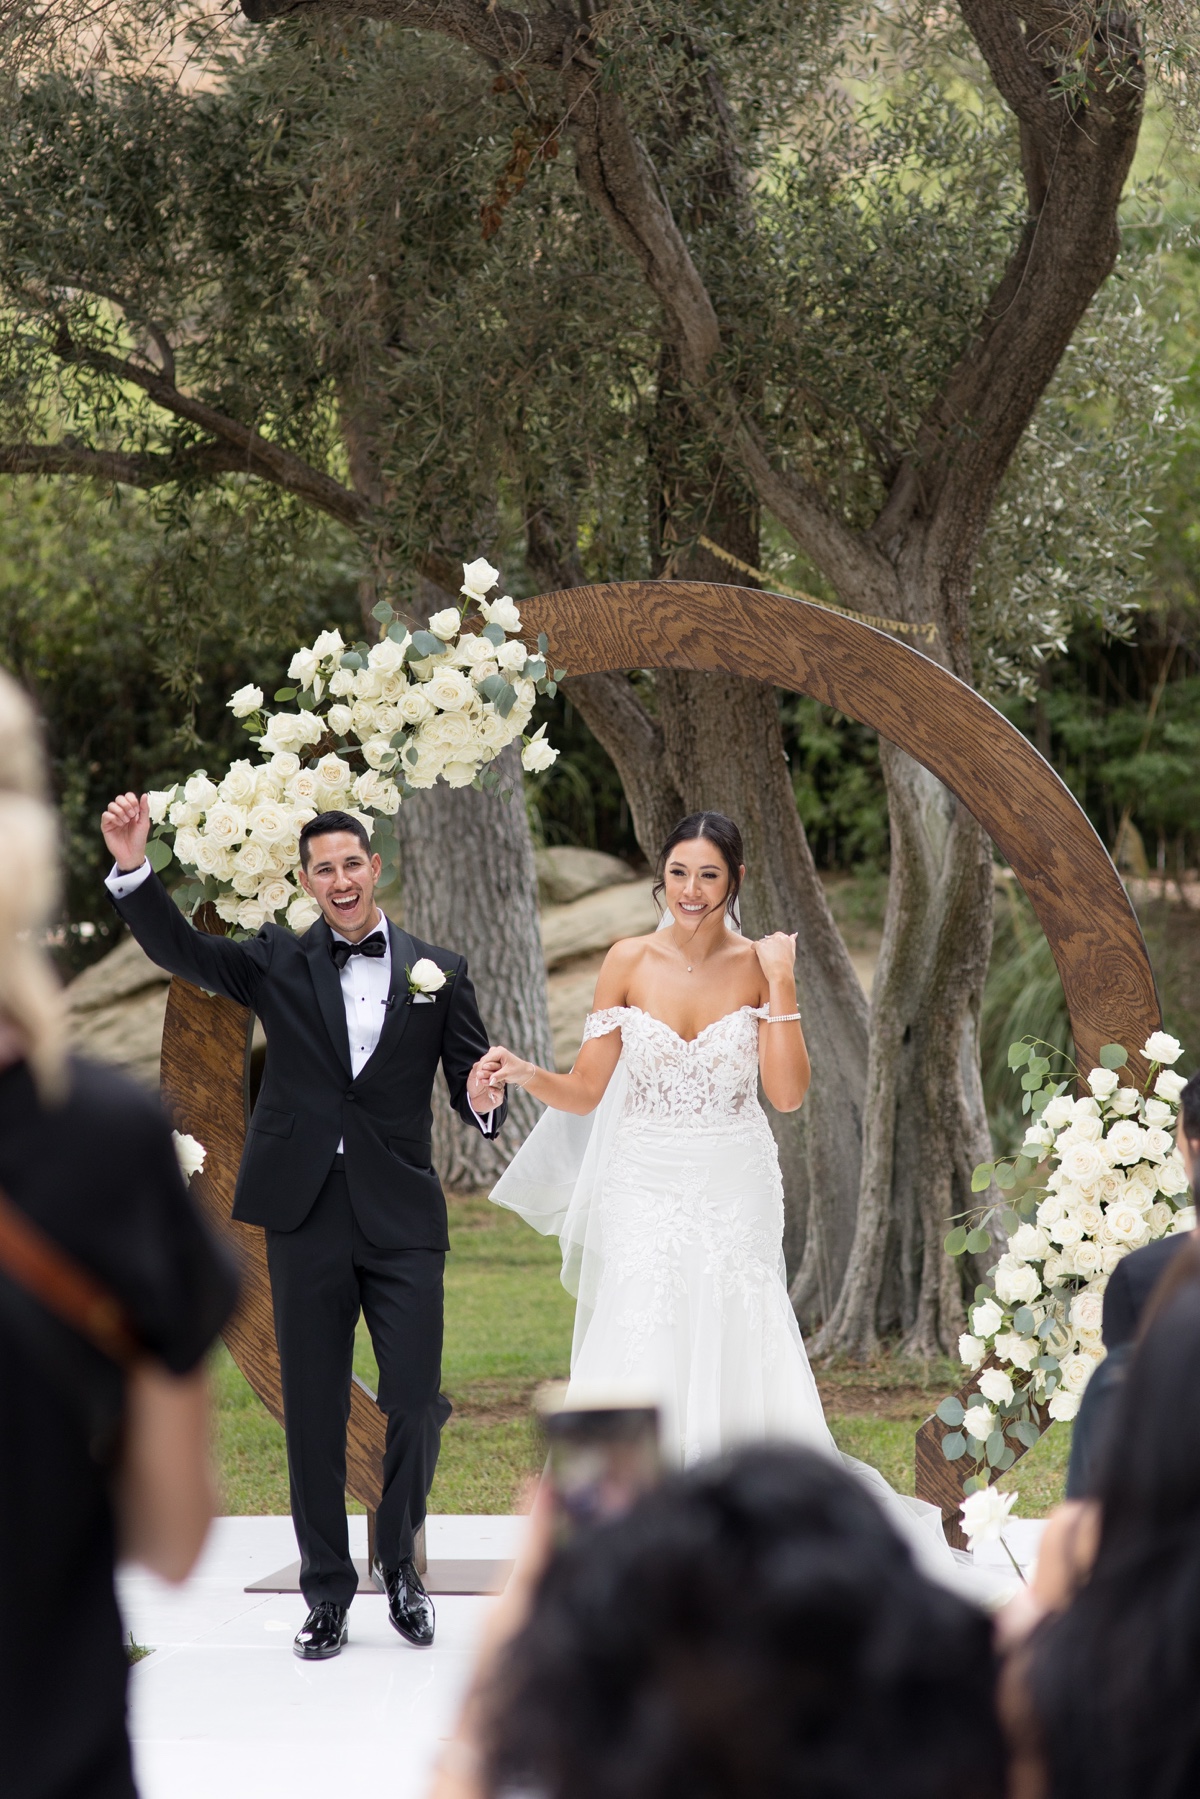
(323, 1633)
(409, 1606)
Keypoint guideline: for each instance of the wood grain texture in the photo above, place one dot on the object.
(205, 1052)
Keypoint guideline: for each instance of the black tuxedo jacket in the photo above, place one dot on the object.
(1130, 1285)
(309, 1098)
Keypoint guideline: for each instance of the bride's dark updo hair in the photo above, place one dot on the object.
(718, 830)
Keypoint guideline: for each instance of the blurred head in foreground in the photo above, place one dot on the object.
(31, 1011)
(1115, 1677)
(754, 1628)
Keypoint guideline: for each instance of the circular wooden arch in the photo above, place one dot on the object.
(1030, 815)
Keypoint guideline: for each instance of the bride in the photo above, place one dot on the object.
(657, 1170)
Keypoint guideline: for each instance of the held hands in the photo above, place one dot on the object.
(484, 1093)
(502, 1069)
(777, 955)
(126, 828)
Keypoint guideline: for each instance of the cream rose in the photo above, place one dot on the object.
(251, 859)
(1157, 1145)
(245, 701)
(187, 844)
(1062, 1405)
(1169, 1086)
(986, 1318)
(303, 912)
(979, 1422)
(1022, 1352)
(512, 656)
(1172, 1177)
(996, 1386)
(1126, 1141)
(158, 803)
(333, 775)
(1083, 1163)
(184, 817)
(387, 657)
(1087, 1311)
(1127, 1224)
(971, 1351)
(252, 915)
(276, 893)
(1057, 1112)
(1029, 1244)
(303, 667)
(1087, 1258)
(538, 755)
(1076, 1372)
(1161, 1047)
(1124, 1102)
(448, 690)
(304, 788)
(460, 774)
(283, 767)
(376, 792)
(1016, 1283)
(340, 719)
(479, 578)
(502, 612)
(225, 824)
(213, 859)
(426, 976)
(1103, 1082)
(415, 708)
(378, 752)
(239, 784)
(445, 624)
(328, 644)
(341, 683)
(270, 822)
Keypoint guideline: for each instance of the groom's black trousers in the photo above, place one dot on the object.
(321, 1274)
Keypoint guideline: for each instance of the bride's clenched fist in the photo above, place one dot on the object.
(777, 955)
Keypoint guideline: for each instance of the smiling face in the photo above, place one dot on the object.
(696, 882)
(341, 877)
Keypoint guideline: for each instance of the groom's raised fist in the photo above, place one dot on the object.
(126, 827)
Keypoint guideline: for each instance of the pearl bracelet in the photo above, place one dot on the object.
(783, 1018)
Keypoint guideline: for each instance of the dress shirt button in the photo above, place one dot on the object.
(350, 1093)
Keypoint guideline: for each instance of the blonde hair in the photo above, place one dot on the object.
(30, 995)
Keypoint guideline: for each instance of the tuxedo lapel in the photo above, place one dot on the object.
(316, 943)
(396, 1017)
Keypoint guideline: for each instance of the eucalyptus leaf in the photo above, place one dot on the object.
(951, 1411)
(158, 854)
(506, 701)
(981, 1180)
(1113, 1055)
(543, 643)
(994, 1447)
(1026, 1433)
(1010, 1221)
(384, 611)
(423, 644)
(955, 1241)
(398, 632)
(1024, 1321)
(974, 1483)
(494, 635)
(1018, 1055)
(286, 695)
(978, 1241)
(351, 660)
(1006, 1176)
(1004, 1460)
(954, 1446)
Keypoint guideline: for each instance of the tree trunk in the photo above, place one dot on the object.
(925, 1126)
(470, 885)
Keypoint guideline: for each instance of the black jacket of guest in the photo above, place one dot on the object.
(310, 1100)
(1130, 1285)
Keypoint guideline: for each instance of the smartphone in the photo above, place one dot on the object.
(602, 1455)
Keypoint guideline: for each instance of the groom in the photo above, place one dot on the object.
(337, 1171)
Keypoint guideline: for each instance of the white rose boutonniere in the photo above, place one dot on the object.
(425, 981)
(191, 1153)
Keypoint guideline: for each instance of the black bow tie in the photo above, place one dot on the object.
(374, 945)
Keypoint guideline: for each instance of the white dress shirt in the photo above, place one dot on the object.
(365, 982)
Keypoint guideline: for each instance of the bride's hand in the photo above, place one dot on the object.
(777, 955)
(503, 1069)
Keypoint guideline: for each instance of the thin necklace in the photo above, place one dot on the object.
(682, 952)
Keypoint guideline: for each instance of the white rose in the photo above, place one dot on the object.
(377, 751)
(1016, 1283)
(328, 644)
(1185, 1220)
(1076, 1371)
(303, 667)
(200, 791)
(460, 774)
(1084, 1108)
(1158, 1115)
(1172, 1177)
(1050, 1210)
(376, 792)
(415, 708)
(190, 1152)
(1169, 1086)
(286, 731)
(1141, 1189)
(979, 1422)
(340, 718)
(363, 714)
(445, 624)
(971, 1350)
(448, 690)
(276, 893)
(479, 578)
(1103, 1082)
(495, 733)
(1127, 1224)
(538, 755)
(303, 912)
(1083, 1163)
(187, 844)
(1090, 1217)
(483, 671)
(341, 683)
(387, 656)
(333, 775)
(1160, 1218)
(1157, 1145)
(158, 803)
(240, 782)
(182, 816)
(1124, 1101)
(986, 1318)
(303, 787)
(984, 1515)
(1029, 1244)
(251, 859)
(1087, 1311)
(1022, 1352)
(284, 767)
(1082, 1130)
(1068, 1231)
(245, 701)
(270, 822)
(1087, 1259)
(227, 907)
(471, 650)
(1062, 1406)
(1037, 1140)
(225, 825)
(213, 859)
(996, 1386)
(393, 687)
(252, 915)
(426, 976)
(502, 612)
(1126, 1141)
(1057, 1112)
(1161, 1047)
(512, 656)
(1054, 1268)
(368, 683)
(1110, 1255)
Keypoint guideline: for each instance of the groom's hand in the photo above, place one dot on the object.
(484, 1091)
(126, 828)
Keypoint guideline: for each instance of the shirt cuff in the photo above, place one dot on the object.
(119, 884)
(485, 1124)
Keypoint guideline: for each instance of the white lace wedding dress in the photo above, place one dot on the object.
(668, 1203)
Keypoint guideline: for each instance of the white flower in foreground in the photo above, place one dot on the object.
(191, 1153)
(1172, 1177)
(1086, 1259)
(376, 791)
(303, 667)
(225, 824)
(200, 791)
(341, 683)
(1159, 1115)
(1185, 1220)
(1029, 1244)
(387, 656)
(240, 783)
(158, 803)
(512, 656)
(479, 578)
(1169, 1086)
(426, 976)
(1088, 1129)
(276, 894)
(971, 1350)
(996, 1386)
(1083, 1163)
(340, 719)
(538, 755)
(1103, 1082)
(1016, 1283)
(459, 774)
(329, 643)
(1126, 1141)
(1160, 1218)
(986, 1318)
(271, 822)
(415, 706)
(445, 624)
(1087, 1311)
(245, 701)
(1037, 1140)
(303, 912)
(1076, 1371)
(1021, 1351)
(503, 612)
(1158, 1145)
(984, 1515)
(288, 731)
(1063, 1405)
(1057, 1112)
(1161, 1047)
(252, 915)
(979, 1422)
(449, 690)
(1124, 1101)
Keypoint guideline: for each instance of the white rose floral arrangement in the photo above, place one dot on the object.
(367, 726)
(1096, 1177)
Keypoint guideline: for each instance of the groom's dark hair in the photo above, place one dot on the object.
(324, 825)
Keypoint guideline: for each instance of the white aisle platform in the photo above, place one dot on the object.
(222, 1709)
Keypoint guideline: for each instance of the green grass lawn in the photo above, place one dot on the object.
(508, 1328)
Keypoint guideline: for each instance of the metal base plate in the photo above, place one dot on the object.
(476, 1575)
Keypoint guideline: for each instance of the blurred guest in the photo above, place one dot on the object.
(110, 1293)
(1130, 1286)
(1101, 1699)
(754, 1628)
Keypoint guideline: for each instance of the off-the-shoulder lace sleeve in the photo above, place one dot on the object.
(599, 1024)
(760, 1011)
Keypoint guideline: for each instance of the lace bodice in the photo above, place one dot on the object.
(713, 1079)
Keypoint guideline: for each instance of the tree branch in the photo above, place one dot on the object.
(130, 468)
